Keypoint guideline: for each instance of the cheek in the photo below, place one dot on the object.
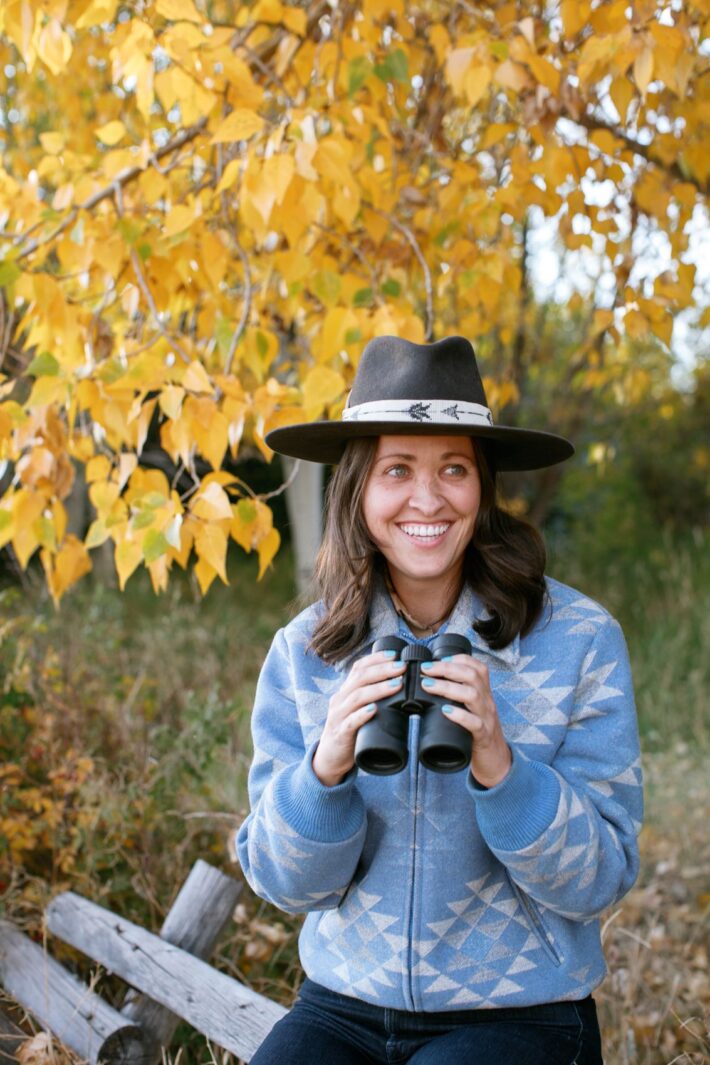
(371, 511)
(472, 500)
(378, 508)
(468, 506)
(367, 509)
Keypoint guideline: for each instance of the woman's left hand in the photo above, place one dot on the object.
(464, 681)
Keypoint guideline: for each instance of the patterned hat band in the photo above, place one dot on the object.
(434, 411)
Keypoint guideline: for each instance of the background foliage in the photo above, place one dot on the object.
(206, 210)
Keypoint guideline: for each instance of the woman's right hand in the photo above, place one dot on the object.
(369, 680)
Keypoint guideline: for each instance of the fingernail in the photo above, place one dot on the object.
(448, 709)
(395, 682)
(447, 658)
(371, 706)
(427, 665)
(427, 682)
(389, 654)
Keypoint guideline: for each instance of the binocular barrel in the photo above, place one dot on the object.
(444, 746)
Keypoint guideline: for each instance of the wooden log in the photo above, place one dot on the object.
(66, 1006)
(196, 920)
(228, 1013)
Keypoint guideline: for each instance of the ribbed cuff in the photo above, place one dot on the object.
(314, 811)
(516, 812)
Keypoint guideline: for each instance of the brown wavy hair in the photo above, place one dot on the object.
(504, 561)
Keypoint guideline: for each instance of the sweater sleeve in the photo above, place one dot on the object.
(301, 842)
(567, 832)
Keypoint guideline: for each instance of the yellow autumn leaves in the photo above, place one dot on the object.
(36, 33)
(209, 210)
(151, 526)
(137, 509)
(615, 47)
(240, 124)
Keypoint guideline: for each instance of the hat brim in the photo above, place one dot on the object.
(514, 449)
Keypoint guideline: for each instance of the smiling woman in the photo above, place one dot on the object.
(452, 913)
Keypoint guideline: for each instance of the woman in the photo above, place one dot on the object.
(451, 916)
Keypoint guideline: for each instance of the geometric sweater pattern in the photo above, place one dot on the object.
(424, 891)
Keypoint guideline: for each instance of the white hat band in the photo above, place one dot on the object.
(419, 411)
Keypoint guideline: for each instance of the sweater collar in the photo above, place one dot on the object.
(385, 621)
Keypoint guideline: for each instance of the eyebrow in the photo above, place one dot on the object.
(446, 455)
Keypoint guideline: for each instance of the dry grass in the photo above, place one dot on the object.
(655, 1003)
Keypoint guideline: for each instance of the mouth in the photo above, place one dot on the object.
(425, 534)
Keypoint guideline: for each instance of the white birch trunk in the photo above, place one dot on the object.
(304, 502)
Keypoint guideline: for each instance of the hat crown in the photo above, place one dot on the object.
(397, 369)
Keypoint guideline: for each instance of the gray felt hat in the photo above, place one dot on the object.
(419, 389)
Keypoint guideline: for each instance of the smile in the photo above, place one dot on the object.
(425, 532)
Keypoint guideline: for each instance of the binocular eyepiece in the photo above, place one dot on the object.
(444, 746)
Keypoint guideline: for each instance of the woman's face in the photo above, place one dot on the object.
(420, 504)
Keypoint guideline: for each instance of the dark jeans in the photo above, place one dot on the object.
(326, 1028)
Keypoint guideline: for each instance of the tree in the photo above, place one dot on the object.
(208, 208)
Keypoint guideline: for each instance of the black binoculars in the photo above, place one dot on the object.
(444, 746)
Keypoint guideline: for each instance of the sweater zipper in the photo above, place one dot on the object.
(414, 755)
(535, 921)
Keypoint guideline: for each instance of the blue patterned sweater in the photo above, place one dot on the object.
(422, 890)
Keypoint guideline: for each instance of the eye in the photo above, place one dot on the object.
(397, 472)
(456, 469)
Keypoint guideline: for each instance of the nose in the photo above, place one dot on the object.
(425, 496)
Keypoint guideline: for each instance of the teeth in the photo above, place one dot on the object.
(424, 530)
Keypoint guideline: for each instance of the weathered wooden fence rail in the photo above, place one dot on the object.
(64, 1005)
(196, 920)
(167, 972)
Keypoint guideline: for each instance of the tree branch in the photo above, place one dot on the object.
(122, 178)
(592, 122)
(414, 244)
(241, 325)
(145, 289)
(358, 254)
(263, 52)
(286, 484)
(518, 367)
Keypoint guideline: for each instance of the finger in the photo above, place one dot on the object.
(354, 721)
(372, 673)
(376, 656)
(383, 667)
(459, 668)
(471, 694)
(468, 720)
(369, 693)
(377, 662)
